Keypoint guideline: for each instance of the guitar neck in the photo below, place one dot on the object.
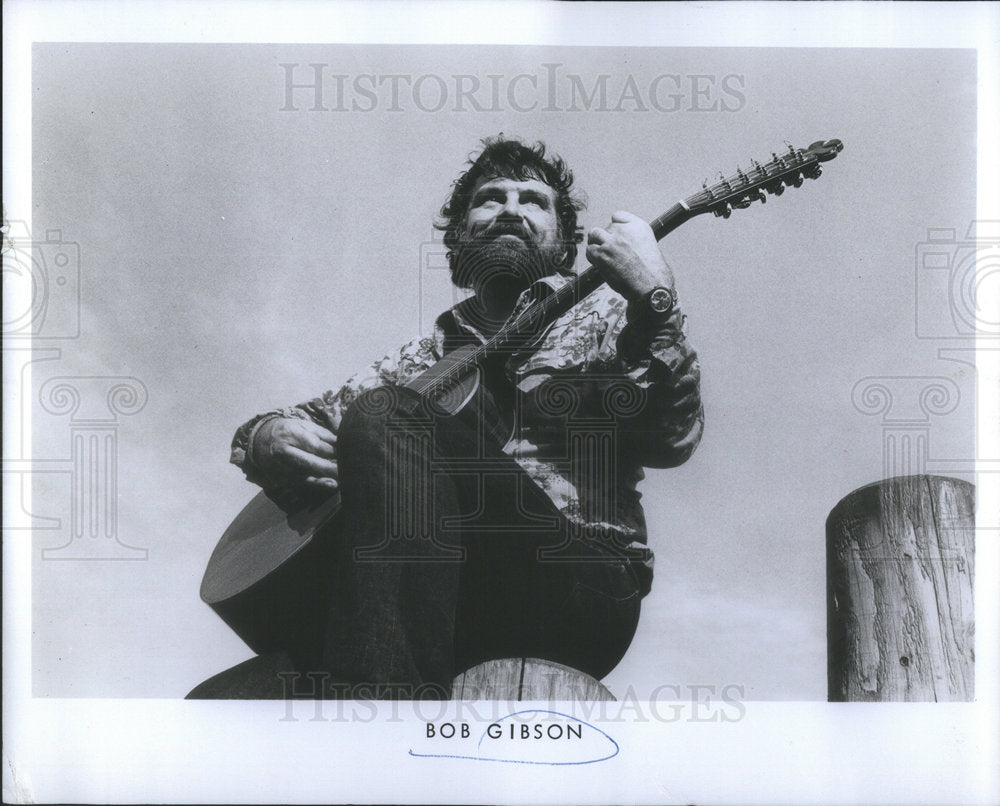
(739, 190)
(583, 284)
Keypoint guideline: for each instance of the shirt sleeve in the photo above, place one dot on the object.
(657, 357)
(328, 408)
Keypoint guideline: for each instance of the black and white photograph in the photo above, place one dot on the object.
(530, 403)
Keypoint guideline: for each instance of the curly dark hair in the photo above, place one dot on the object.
(512, 159)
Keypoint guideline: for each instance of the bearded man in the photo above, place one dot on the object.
(456, 545)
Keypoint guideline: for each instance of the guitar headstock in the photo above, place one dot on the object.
(825, 150)
(743, 188)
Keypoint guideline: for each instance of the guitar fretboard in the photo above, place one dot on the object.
(738, 190)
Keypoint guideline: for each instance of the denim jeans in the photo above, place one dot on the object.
(446, 555)
(450, 555)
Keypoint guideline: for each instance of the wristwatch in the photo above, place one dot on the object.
(660, 301)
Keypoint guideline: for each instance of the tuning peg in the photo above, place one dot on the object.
(815, 172)
(724, 211)
(761, 197)
(743, 202)
(826, 150)
(777, 188)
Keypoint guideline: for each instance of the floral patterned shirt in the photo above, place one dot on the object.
(603, 395)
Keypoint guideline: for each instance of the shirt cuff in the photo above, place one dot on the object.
(248, 459)
(651, 330)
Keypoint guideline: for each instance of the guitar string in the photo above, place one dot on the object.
(734, 186)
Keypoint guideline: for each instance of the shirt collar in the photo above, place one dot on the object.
(457, 320)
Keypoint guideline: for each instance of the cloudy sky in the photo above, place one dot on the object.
(241, 249)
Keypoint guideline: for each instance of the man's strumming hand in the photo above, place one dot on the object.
(628, 256)
(292, 451)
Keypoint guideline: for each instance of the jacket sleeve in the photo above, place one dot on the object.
(657, 357)
(328, 408)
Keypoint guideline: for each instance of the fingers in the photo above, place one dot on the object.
(306, 465)
(594, 253)
(623, 217)
(324, 434)
(321, 482)
(310, 437)
(289, 450)
(598, 236)
(314, 443)
(619, 219)
(627, 255)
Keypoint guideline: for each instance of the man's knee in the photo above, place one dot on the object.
(374, 410)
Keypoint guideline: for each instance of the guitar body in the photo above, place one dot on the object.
(266, 577)
(457, 385)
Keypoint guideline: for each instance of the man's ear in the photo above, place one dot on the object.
(563, 261)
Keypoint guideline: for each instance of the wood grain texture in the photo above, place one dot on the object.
(517, 679)
(900, 575)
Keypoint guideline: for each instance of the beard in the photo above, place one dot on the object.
(512, 261)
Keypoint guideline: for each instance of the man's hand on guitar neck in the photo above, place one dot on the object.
(628, 256)
(287, 452)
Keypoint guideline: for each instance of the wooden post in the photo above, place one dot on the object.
(518, 679)
(900, 573)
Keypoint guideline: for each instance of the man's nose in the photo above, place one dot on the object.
(512, 206)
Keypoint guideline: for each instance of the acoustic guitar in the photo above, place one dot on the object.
(266, 575)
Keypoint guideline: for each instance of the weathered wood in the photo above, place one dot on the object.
(900, 574)
(517, 679)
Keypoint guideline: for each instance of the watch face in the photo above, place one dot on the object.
(661, 300)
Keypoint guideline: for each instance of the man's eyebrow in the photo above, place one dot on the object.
(487, 190)
(535, 193)
(497, 188)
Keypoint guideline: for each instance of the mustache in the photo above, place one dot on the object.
(499, 228)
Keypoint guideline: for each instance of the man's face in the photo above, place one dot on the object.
(510, 228)
(526, 209)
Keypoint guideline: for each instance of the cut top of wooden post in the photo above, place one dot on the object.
(518, 679)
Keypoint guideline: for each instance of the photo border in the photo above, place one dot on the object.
(153, 750)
